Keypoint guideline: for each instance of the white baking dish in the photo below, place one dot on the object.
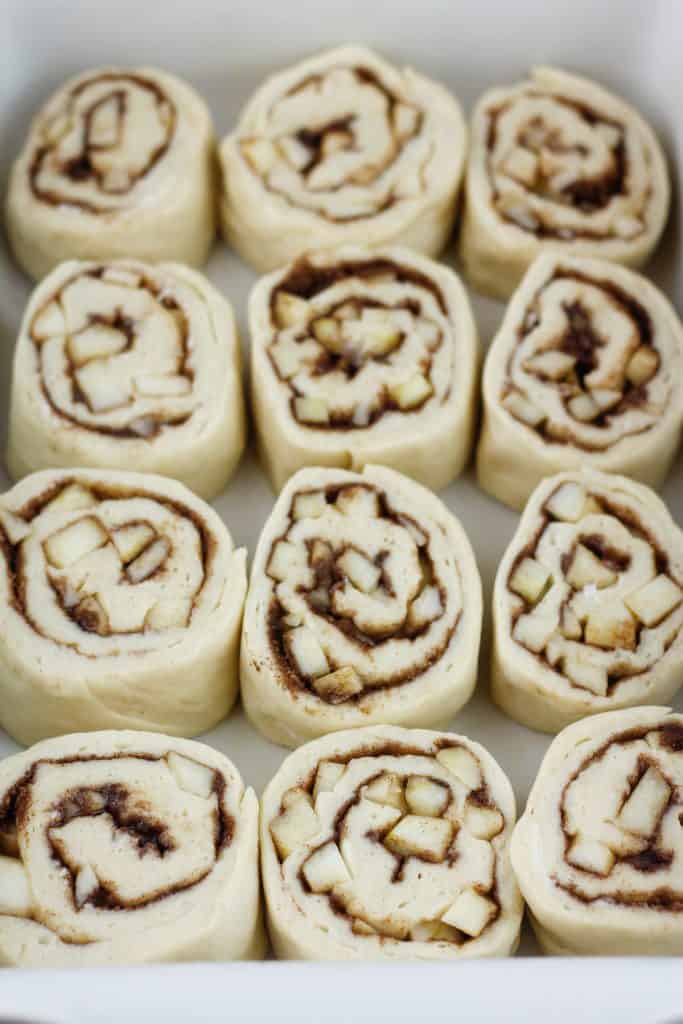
(225, 50)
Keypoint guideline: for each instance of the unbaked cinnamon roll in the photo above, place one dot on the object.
(126, 365)
(386, 844)
(342, 148)
(559, 163)
(588, 602)
(126, 848)
(120, 606)
(118, 163)
(364, 607)
(597, 853)
(586, 370)
(364, 355)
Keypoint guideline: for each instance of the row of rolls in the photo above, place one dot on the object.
(342, 148)
(378, 843)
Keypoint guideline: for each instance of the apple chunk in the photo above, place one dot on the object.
(73, 542)
(325, 868)
(611, 626)
(587, 568)
(653, 602)
(530, 580)
(15, 889)
(190, 775)
(461, 763)
(338, 686)
(417, 835)
(296, 825)
(470, 913)
(427, 796)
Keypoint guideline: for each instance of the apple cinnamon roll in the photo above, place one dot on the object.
(597, 852)
(126, 365)
(586, 370)
(559, 163)
(342, 148)
(588, 602)
(126, 848)
(364, 607)
(120, 606)
(118, 163)
(364, 356)
(385, 844)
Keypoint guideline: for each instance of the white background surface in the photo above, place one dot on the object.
(225, 47)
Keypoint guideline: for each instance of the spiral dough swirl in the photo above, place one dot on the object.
(124, 848)
(389, 843)
(588, 602)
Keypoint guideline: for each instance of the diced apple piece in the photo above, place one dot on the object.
(49, 322)
(190, 775)
(15, 890)
(379, 331)
(425, 796)
(325, 868)
(425, 608)
(131, 539)
(590, 855)
(309, 505)
(530, 580)
(96, 342)
(285, 559)
(360, 927)
(357, 501)
(483, 822)
(587, 568)
(162, 385)
(570, 627)
(580, 669)
(387, 789)
(291, 310)
(327, 330)
(522, 409)
(296, 825)
(102, 389)
(360, 570)
(287, 356)
(567, 502)
(338, 686)
(657, 599)
(646, 804)
(553, 364)
(311, 410)
(294, 796)
(470, 913)
(605, 398)
(334, 142)
(149, 561)
(583, 408)
(534, 630)
(259, 153)
(306, 652)
(461, 763)
(411, 393)
(87, 883)
(642, 365)
(328, 775)
(611, 625)
(420, 836)
(620, 842)
(15, 527)
(68, 545)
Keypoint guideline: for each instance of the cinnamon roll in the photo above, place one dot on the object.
(364, 607)
(588, 602)
(597, 853)
(121, 364)
(118, 163)
(126, 848)
(586, 370)
(385, 844)
(342, 148)
(120, 606)
(364, 355)
(559, 163)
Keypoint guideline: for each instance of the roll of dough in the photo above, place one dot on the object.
(125, 365)
(342, 148)
(588, 602)
(558, 163)
(362, 355)
(586, 370)
(364, 607)
(597, 853)
(384, 844)
(118, 163)
(120, 606)
(125, 848)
